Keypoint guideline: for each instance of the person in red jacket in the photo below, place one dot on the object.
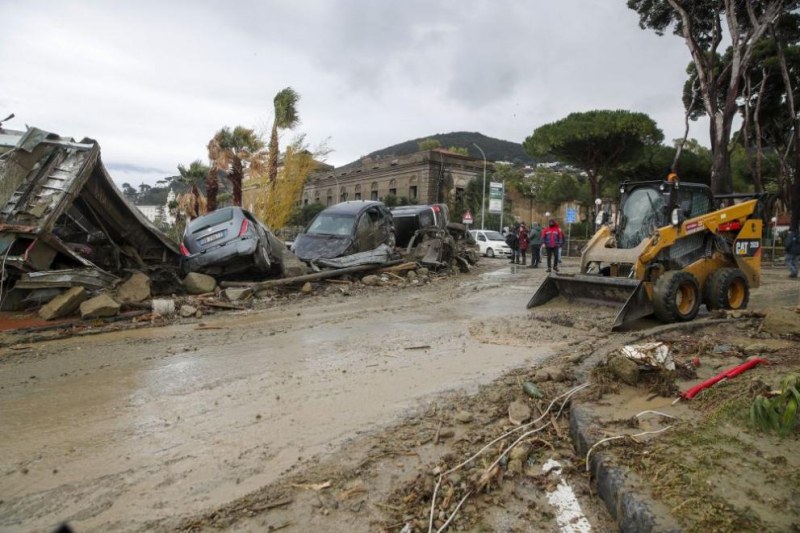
(552, 238)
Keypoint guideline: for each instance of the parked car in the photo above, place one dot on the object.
(229, 241)
(410, 218)
(491, 243)
(344, 229)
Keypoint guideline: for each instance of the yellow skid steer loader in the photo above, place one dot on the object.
(672, 250)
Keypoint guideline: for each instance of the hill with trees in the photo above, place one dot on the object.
(495, 149)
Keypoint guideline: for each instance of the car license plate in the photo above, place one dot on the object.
(213, 237)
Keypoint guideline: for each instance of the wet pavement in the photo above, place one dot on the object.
(118, 429)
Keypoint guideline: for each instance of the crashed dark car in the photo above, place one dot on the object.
(345, 229)
(229, 241)
(410, 218)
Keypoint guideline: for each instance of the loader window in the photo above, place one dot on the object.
(693, 203)
(642, 212)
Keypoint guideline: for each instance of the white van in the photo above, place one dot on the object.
(491, 243)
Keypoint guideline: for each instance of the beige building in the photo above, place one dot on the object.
(424, 177)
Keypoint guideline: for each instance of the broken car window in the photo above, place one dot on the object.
(642, 212)
(332, 224)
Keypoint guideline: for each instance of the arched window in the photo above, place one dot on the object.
(393, 187)
(374, 192)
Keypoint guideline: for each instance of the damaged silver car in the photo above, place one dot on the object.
(345, 229)
(227, 241)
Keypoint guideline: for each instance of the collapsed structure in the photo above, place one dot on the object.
(63, 222)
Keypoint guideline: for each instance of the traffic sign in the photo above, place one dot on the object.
(572, 216)
(467, 218)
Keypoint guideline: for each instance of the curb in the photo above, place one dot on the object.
(633, 510)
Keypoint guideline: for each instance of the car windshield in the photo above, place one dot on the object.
(493, 235)
(332, 224)
(642, 213)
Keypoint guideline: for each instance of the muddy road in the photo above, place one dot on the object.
(114, 430)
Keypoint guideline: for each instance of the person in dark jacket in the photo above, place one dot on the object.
(553, 238)
(792, 252)
(512, 240)
(535, 244)
(523, 241)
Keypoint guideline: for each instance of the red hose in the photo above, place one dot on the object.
(731, 372)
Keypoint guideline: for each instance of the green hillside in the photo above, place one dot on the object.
(496, 149)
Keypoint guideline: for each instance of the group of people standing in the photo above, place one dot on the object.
(521, 239)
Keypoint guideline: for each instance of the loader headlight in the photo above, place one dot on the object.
(677, 217)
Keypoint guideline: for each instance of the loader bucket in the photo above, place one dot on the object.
(630, 294)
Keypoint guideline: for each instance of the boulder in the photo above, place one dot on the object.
(781, 322)
(624, 369)
(197, 283)
(292, 266)
(518, 412)
(99, 307)
(235, 294)
(371, 280)
(188, 310)
(411, 275)
(134, 289)
(64, 304)
(307, 288)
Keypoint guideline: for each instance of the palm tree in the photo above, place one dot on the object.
(194, 176)
(233, 153)
(286, 117)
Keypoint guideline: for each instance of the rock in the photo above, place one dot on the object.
(135, 289)
(197, 283)
(518, 412)
(756, 349)
(292, 266)
(411, 275)
(99, 307)
(307, 288)
(541, 375)
(781, 322)
(555, 373)
(370, 280)
(464, 417)
(64, 304)
(722, 348)
(515, 466)
(624, 369)
(520, 452)
(188, 310)
(163, 306)
(423, 271)
(235, 294)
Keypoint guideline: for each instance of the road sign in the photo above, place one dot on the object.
(572, 216)
(467, 218)
(496, 191)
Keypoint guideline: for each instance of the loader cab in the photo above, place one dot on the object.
(647, 205)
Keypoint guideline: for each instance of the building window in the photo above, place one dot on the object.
(343, 195)
(358, 196)
(329, 201)
(412, 192)
(393, 192)
(374, 195)
(459, 195)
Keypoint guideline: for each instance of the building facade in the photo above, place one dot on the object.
(425, 177)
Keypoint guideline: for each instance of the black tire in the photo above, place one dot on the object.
(676, 297)
(727, 288)
(489, 252)
(262, 260)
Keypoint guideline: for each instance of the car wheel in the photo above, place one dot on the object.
(489, 252)
(262, 258)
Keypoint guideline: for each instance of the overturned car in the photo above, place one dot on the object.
(345, 229)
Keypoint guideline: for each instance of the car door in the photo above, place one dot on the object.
(366, 231)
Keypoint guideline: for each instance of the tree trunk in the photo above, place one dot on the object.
(758, 174)
(212, 189)
(272, 160)
(794, 198)
(721, 182)
(236, 176)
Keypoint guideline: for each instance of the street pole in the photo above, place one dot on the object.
(483, 190)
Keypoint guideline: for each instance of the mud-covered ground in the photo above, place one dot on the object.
(339, 410)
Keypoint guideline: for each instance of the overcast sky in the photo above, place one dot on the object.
(153, 81)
